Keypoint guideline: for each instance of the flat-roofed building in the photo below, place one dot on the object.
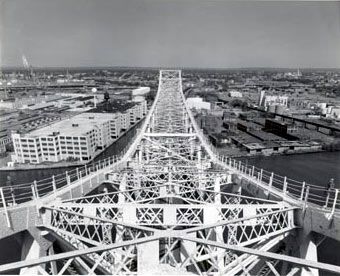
(138, 95)
(198, 103)
(247, 126)
(125, 120)
(141, 91)
(235, 94)
(116, 126)
(4, 141)
(77, 138)
(137, 112)
(283, 129)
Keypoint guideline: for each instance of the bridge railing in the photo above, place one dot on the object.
(12, 196)
(299, 190)
(302, 191)
(17, 194)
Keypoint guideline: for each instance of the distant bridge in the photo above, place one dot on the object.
(169, 205)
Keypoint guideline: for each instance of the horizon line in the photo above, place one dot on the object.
(166, 67)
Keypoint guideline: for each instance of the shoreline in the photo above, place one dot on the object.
(280, 154)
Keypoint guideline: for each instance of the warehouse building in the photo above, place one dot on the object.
(81, 137)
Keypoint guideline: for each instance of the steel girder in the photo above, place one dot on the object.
(171, 197)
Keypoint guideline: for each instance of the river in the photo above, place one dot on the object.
(314, 168)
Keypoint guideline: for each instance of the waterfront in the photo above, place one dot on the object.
(26, 176)
(314, 168)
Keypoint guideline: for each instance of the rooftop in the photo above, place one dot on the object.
(75, 126)
(266, 136)
(113, 106)
(254, 146)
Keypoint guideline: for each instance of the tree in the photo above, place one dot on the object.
(106, 96)
(238, 103)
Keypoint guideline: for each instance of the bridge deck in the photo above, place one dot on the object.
(170, 192)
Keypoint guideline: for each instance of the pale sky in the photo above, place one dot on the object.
(176, 33)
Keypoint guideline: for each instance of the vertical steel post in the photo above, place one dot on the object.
(54, 184)
(306, 198)
(5, 207)
(327, 199)
(285, 185)
(81, 183)
(13, 197)
(334, 202)
(36, 188)
(271, 179)
(302, 190)
(68, 180)
(33, 192)
(35, 196)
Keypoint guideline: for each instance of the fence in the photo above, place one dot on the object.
(302, 191)
(17, 194)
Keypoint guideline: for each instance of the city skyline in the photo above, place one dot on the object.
(150, 33)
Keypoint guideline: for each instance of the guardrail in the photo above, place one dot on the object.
(11, 196)
(302, 191)
(305, 192)
(16, 194)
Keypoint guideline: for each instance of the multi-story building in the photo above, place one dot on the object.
(115, 126)
(137, 111)
(141, 109)
(138, 95)
(235, 94)
(198, 103)
(282, 129)
(125, 120)
(272, 100)
(78, 138)
(4, 141)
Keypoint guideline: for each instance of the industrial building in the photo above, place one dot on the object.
(283, 129)
(272, 101)
(81, 137)
(138, 94)
(198, 103)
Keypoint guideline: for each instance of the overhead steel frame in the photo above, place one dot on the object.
(171, 209)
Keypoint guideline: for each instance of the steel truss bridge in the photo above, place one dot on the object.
(169, 205)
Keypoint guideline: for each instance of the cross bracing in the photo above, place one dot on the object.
(171, 206)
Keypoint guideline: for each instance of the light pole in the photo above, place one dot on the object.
(94, 90)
